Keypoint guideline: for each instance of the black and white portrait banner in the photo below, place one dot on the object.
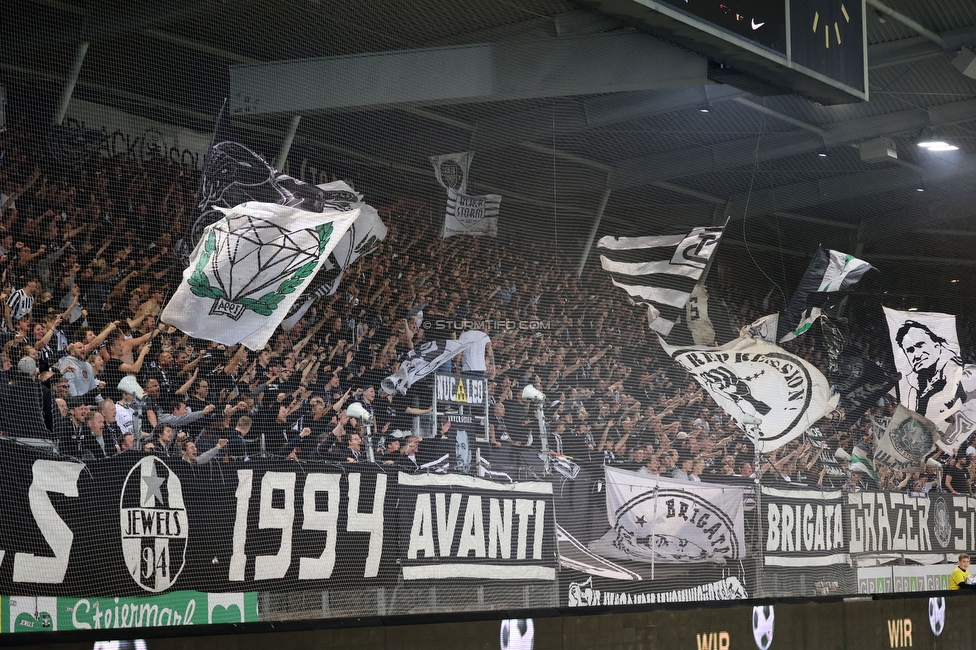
(926, 352)
(471, 215)
(803, 527)
(671, 521)
(905, 441)
(456, 526)
(767, 391)
(451, 170)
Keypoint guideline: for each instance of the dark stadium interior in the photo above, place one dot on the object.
(577, 152)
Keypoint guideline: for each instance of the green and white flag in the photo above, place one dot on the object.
(829, 271)
(249, 268)
(860, 462)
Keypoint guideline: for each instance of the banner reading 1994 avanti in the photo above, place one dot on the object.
(137, 525)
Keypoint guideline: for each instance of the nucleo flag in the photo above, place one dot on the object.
(249, 268)
(471, 215)
(829, 271)
(660, 272)
(926, 352)
(767, 391)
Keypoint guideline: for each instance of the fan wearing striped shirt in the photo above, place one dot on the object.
(20, 303)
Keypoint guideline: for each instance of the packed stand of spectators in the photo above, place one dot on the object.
(87, 262)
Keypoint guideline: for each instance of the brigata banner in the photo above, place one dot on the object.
(137, 524)
(53, 613)
(664, 520)
(456, 526)
(803, 527)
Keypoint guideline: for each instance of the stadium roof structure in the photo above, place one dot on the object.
(387, 83)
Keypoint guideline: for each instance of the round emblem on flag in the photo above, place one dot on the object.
(706, 531)
(943, 529)
(911, 440)
(765, 390)
(154, 525)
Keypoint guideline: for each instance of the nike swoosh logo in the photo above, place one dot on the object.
(755, 26)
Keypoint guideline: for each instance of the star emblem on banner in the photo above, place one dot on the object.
(640, 521)
(153, 485)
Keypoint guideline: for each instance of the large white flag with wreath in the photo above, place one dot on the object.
(249, 268)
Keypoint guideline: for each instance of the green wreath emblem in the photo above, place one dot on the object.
(265, 305)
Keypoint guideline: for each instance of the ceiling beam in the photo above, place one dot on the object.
(556, 67)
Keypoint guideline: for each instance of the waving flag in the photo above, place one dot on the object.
(829, 271)
(659, 271)
(249, 269)
(768, 392)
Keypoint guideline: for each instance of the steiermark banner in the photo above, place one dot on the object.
(51, 613)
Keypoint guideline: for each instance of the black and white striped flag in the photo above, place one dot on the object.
(659, 271)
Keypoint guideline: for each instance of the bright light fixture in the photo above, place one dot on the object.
(913, 309)
(953, 281)
(938, 145)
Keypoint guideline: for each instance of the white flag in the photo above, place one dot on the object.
(963, 423)
(471, 215)
(249, 268)
(764, 389)
(363, 237)
(926, 352)
(673, 521)
(451, 170)
(696, 311)
(762, 328)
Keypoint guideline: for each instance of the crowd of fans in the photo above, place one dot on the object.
(87, 262)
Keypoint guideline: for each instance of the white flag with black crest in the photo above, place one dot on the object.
(659, 271)
(451, 170)
(905, 441)
(764, 389)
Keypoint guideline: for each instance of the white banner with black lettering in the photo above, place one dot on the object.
(663, 520)
(451, 170)
(471, 215)
(763, 388)
(455, 526)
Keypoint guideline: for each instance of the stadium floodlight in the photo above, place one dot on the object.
(938, 145)
(358, 411)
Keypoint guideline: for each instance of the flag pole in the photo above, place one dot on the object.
(653, 522)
